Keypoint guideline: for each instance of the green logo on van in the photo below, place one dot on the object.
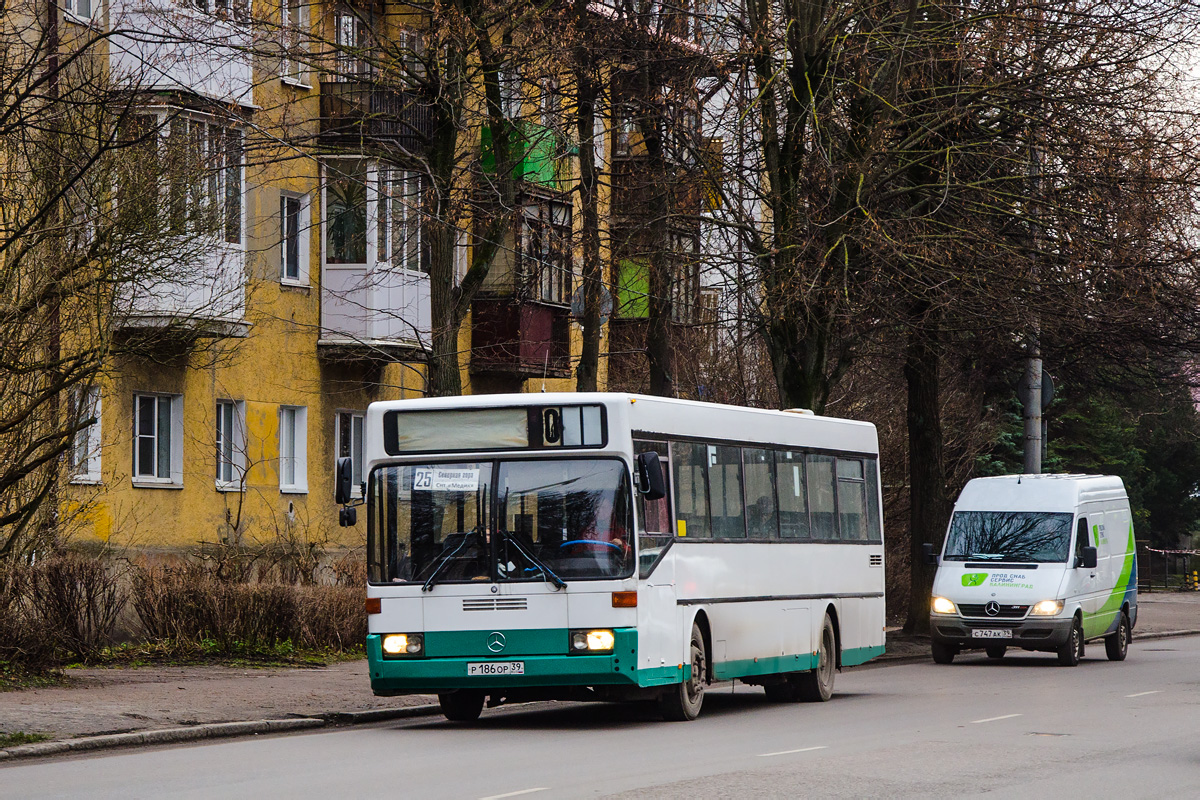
(974, 578)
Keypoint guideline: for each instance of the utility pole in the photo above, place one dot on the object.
(1031, 400)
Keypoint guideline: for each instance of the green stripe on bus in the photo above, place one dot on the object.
(860, 655)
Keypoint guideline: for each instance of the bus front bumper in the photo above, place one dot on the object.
(432, 675)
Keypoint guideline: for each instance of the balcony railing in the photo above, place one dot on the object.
(374, 314)
(357, 111)
(519, 339)
(200, 297)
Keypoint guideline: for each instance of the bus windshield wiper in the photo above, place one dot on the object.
(986, 556)
(443, 558)
(547, 573)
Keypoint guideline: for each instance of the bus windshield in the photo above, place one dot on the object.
(508, 520)
(1029, 536)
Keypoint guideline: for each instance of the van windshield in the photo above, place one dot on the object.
(1031, 536)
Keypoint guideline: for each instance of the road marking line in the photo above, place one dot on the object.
(514, 794)
(1143, 694)
(993, 719)
(789, 752)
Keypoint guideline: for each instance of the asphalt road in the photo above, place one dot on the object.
(1022, 727)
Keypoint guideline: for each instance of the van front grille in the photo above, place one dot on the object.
(980, 610)
(495, 604)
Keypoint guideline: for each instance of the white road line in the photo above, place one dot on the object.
(789, 752)
(993, 719)
(1143, 694)
(514, 794)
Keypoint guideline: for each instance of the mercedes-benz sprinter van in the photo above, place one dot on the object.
(1040, 562)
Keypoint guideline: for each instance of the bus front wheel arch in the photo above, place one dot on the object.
(682, 701)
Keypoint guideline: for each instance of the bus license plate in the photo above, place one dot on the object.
(484, 668)
(991, 634)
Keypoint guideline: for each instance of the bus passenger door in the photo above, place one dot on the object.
(659, 640)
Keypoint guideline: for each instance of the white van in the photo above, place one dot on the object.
(1040, 562)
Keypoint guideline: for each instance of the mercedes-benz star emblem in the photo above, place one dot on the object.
(495, 642)
(991, 609)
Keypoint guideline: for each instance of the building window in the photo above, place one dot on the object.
(83, 10)
(228, 9)
(231, 444)
(400, 238)
(157, 439)
(352, 44)
(550, 105)
(84, 455)
(294, 222)
(293, 449)
(510, 92)
(205, 168)
(292, 67)
(545, 251)
(685, 283)
(346, 213)
(350, 444)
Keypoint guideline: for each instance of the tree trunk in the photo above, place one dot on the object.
(587, 374)
(928, 505)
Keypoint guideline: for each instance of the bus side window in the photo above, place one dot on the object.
(689, 468)
(1081, 539)
(851, 500)
(822, 500)
(793, 494)
(874, 529)
(725, 492)
(654, 516)
(762, 516)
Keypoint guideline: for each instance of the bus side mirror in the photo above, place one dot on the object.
(651, 483)
(928, 557)
(343, 481)
(1087, 558)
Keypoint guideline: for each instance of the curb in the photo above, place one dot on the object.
(217, 730)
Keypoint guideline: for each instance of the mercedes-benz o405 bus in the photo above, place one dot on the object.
(616, 547)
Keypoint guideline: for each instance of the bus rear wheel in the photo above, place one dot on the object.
(681, 702)
(464, 705)
(816, 686)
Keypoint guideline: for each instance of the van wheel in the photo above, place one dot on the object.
(816, 686)
(996, 651)
(461, 706)
(943, 653)
(1072, 650)
(1116, 644)
(681, 702)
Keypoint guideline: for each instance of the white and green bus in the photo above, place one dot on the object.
(616, 547)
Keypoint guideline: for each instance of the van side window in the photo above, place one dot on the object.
(1081, 539)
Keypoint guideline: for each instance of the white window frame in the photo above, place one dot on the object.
(90, 16)
(210, 142)
(297, 444)
(355, 422)
(86, 444)
(230, 429)
(293, 25)
(303, 236)
(174, 443)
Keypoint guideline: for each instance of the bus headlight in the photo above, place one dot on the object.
(597, 641)
(943, 606)
(1046, 608)
(403, 644)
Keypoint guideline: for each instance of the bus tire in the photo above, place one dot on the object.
(943, 653)
(1116, 644)
(816, 686)
(464, 705)
(1072, 650)
(682, 701)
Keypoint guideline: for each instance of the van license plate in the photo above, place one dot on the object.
(485, 668)
(1003, 633)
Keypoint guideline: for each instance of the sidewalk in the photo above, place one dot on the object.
(114, 707)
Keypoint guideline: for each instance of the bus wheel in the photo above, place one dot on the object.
(461, 706)
(1072, 650)
(682, 701)
(943, 653)
(1116, 644)
(816, 686)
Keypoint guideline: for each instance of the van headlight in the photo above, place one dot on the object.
(943, 606)
(402, 645)
(1046, 608)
